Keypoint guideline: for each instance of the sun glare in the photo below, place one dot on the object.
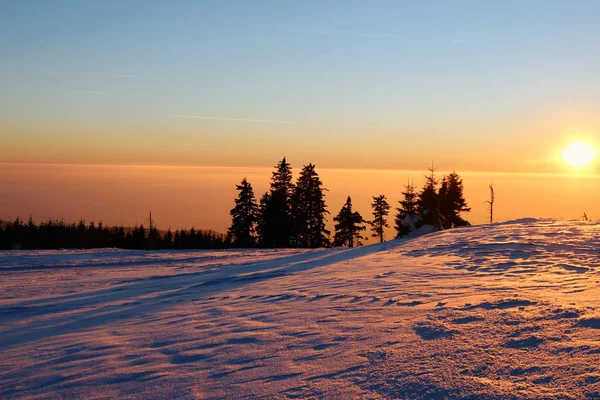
(579, 154)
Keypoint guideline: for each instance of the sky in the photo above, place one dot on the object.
(112, 109)
(475, 86)
(201, 197)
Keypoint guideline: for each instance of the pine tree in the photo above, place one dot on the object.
(153, 238)
(452, 202)
(381, 209)
(177, 242)
(264, 223)
(167, 240)
(31, 241)
(136, 239)
(428, 200)
(275, 226)
(348, 227)
(309, 209)
(407, 214)
(244, 216)
(193, 239)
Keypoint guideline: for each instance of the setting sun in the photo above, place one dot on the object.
(579, 154)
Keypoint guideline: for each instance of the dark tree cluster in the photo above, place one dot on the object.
(288, 215)
(294, 214)
(440, 203)
(60, 235)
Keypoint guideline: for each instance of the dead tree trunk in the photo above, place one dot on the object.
(491, 202)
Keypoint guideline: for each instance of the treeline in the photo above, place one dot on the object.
(294, 214)
(290, 214)
(19, 234)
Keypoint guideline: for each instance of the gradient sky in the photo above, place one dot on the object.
(474, 85)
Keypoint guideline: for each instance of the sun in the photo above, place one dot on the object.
(579, 154)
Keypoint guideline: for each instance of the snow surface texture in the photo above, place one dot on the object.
(493, 312)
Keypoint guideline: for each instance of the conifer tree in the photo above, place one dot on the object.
(309, 210)
(154, 240)
(244, 216)
(136, 239)
(381, 209)
(30, 243)
(428, 200)
(167, 240)
(177, 240)
(276, 210)
(265, 222)
(452, 202)
(407, 214)
(348, 228)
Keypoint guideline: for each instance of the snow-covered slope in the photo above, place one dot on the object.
(499, 311)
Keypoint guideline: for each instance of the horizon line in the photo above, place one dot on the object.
(488, 172)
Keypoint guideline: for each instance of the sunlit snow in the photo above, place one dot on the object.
(508, 310)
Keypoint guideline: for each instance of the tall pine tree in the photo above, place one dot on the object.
(243, 216)
(309, 210)
(381, 209)
(275, 226)
(265, 223)
(428, 200)
(349, 226)
(452, 202)
(407, 214)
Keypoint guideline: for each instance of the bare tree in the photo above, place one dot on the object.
(491, 202)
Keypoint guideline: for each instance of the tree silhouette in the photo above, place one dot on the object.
(153, 240)
(275, 211)
(428, 200)
(348, 228)
(490, 202)
(54, 234)
(244, 216)
(407, 214)
(381, 209)
(451, 202)
(266, 221)
(309, 210)
(167, 240)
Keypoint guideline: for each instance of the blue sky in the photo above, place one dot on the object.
(116, 81)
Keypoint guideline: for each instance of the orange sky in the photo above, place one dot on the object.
(528, 145)
(182, 197)
(493, 90)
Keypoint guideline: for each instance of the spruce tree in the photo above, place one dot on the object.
(381, 209)
(167, 240)
(243, 217)
(275, 226)
(428, 200)
(407, 214)
(265, 222)
(154, 240)
(452, 202)
(31, 241)
(309, 210)
(348, 228)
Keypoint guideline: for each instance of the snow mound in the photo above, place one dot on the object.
(506, 310)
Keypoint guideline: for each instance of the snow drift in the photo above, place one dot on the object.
(495, 311)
